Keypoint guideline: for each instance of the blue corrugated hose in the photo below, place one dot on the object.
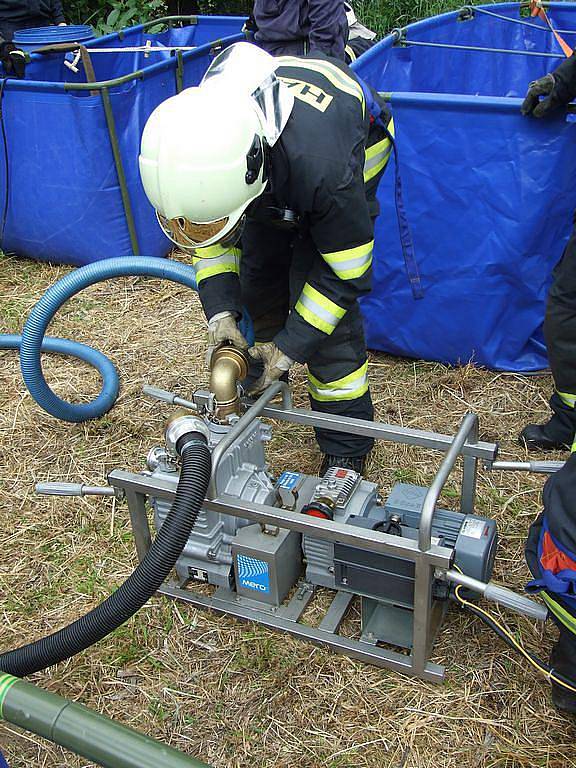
(33, 340)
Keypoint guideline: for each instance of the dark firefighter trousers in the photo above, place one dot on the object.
(274, 268)
(560, 335)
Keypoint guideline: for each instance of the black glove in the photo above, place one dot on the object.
(13, 60)
(559, 88)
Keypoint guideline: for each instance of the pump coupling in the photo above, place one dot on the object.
(229, 367)
(181, 424)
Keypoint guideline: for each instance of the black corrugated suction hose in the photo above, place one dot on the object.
(141, 585)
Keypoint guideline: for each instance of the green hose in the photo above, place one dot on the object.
(86, 733)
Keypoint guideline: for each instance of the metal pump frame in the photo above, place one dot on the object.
(431, 560)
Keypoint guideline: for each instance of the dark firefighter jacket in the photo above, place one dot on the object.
(321, 23)
(318, 169)
(21, 14)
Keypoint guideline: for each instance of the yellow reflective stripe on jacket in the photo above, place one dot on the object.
(333, 74)
(351, 262)
(349, 387)
(318, 310)
(561, 613)
(377, 155)
(567, 398)
(350, 52)
(222, 261)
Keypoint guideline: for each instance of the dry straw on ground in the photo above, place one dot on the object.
(234, 694)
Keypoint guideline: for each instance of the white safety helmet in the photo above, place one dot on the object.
(203, 152)
(202, 163)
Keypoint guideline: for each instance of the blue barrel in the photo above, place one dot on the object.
(489, 193)
(37, 37)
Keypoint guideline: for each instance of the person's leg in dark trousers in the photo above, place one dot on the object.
(264, 281)
(337, 372)
(560, 335)
(563, 661)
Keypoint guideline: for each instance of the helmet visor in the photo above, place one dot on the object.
(189, 235)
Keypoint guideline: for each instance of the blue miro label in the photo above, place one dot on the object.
(289, 480)
(253, 574)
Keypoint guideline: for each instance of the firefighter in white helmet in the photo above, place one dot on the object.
(266, 174)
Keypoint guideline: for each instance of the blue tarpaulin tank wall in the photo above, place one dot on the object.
(71, 180)
(489, 194)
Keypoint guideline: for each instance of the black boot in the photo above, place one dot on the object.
(356, 463)
(563, 661)
(555, 434)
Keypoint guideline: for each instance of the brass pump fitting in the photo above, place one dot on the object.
(229, 366)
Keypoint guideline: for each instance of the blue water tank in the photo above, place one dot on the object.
(37, 37)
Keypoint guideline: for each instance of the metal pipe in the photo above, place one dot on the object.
(73, 489)
(522, 23)
(542, 467)
(479, 49)
(467, 427)
(328, 530)
(228, 368)
(244, 421)
(376, 429)
(82, 731)
(179, 72)
(498, 594)
(168, 397)
(125, 194)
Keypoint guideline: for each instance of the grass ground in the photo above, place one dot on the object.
(233, 694)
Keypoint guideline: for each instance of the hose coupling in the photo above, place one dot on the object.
(229, 367)
(183, 427)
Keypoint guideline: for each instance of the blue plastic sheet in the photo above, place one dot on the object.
(64, 198)
(489, 194)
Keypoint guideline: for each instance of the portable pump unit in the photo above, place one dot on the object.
(261, 548)
(261, 563)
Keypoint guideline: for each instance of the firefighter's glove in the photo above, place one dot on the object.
(558, 88)
(275, 364)
(13, 60)
(223, 329)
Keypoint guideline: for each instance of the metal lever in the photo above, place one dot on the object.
(168, 397)
(498, 594)
(74, 489)
(542, 467)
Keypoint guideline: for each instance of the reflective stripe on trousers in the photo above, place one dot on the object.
(352, 262)
(349, 387)
(318, 310)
